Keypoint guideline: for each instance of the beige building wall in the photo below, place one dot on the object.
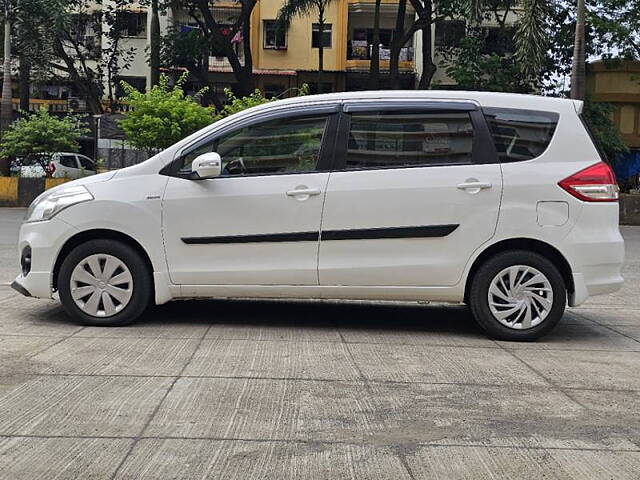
(299, 54)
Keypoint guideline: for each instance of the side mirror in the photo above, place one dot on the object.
(207, 165)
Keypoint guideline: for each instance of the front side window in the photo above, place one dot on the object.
(274, 37)
(326, 35)
(285, 145)
(520, 134)
(390, 139)
(86, 163)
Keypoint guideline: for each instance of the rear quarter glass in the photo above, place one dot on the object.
(520, 134)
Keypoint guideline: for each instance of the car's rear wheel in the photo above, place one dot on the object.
(518, 295)
(104, 283)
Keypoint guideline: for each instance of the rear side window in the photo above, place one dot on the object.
(520, 134)
(68, 161)
(390, 139)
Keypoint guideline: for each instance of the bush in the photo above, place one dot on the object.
(40, 134)
(162, 116)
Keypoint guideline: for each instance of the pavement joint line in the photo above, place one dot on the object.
(608, 327)
(325, 442)
(365, 381)
(157, 407)
(324, 380)
(509, 347)
(295, 379)
(542, 376)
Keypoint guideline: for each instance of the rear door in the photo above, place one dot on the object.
(414, 191)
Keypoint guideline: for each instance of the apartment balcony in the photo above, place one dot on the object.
(359, 58)
(360, 35)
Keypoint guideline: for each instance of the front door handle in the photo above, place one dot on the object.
(307, 192)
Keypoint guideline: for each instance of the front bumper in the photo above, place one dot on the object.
(45, 240)
(20, 289)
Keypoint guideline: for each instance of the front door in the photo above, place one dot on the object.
(415, 191)
(258, 223)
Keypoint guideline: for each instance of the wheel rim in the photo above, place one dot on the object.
(520, 297)
(101, 285)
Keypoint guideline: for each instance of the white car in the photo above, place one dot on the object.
(61, 165)
(501, 201)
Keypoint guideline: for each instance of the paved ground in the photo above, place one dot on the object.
(252, 390)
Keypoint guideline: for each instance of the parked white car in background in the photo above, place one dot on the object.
(501, 201)
(62, 165)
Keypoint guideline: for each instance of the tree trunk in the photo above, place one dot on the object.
(154, 44)
(396, 46)
(6, 109)
(374, 69)
(320, 47)
(578, 75)
(428, 67)
(24, 70)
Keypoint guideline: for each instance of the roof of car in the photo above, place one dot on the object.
(494, 99)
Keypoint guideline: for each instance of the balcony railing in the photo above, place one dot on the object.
(359, 50)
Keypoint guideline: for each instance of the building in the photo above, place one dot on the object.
(282, 61)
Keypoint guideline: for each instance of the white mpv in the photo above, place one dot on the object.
(500, 201)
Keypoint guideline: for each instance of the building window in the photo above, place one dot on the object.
(499, 41)
(274, 37)
(132, 24)
(449, 33)
(326, 35)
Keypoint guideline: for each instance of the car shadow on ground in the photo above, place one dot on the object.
(454, 319)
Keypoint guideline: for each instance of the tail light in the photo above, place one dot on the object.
(52, 168)
(596, 183)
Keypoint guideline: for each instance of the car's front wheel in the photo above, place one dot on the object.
(518, 295)
(104, 283)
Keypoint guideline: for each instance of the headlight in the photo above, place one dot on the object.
(49, 204)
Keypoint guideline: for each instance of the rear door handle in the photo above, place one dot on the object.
(474, 186)
(308, 192)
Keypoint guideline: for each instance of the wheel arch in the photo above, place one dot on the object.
(530, 244)
(102, 234)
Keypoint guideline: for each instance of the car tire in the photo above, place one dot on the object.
(104, 283)
(517, 295)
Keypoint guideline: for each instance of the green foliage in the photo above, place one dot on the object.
(235, 104)
(472, 69)
(163, 115)
(598, 117)
(41, 133)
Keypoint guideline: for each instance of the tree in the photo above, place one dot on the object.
(429, 12)
(578, 67)
(224, 38)
(154, 44)
(163, 115)
(80, 53)
(374, 73)
(6, 107)
(40, 134)
(598, 117)
(189, 49)
(293, 8)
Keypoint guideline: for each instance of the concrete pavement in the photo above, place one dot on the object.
(320, 390)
